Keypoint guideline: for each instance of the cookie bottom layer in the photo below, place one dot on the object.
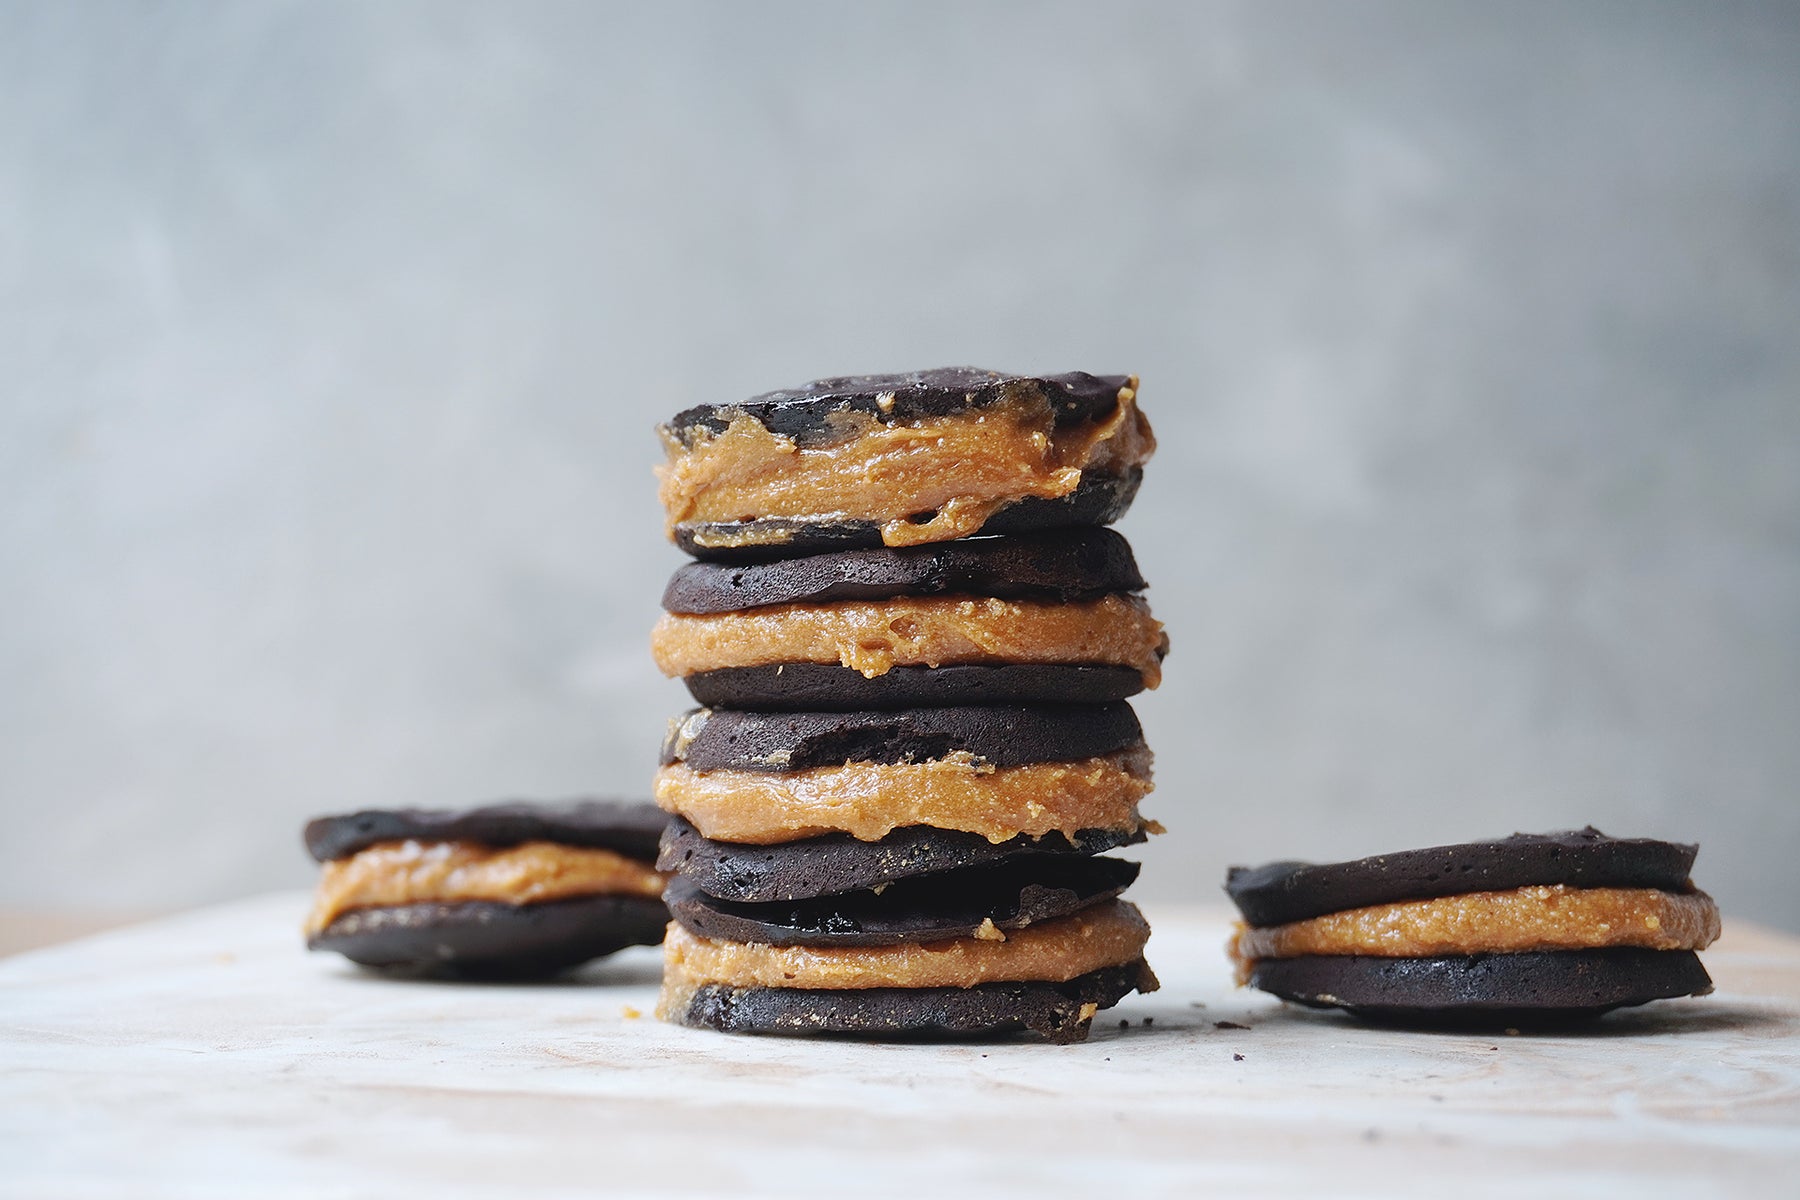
(828, 686)
(483, 940)
(1485, 989)
(837, 862)
(1056, 1012)
(983, 902)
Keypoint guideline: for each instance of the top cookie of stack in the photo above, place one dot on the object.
(841, 581)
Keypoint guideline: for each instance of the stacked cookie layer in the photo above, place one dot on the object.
(913, 641)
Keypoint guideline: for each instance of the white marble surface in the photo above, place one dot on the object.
(207, 1055)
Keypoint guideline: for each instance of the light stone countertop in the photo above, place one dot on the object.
(206, 1054)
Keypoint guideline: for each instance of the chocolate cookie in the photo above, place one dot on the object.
(479, 940)
(814, 413)
(1064, 566)
(828, 687)
(1056, 1012)
(1282, 892)
(996, 897)
(727, 739)
(630, 827)
(1485, 989)
(837, 862)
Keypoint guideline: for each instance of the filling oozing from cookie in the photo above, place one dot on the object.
(961, 469)
(871, 800)
(1540, 917)
(416, 872)
(1110, 934)
(875, 636)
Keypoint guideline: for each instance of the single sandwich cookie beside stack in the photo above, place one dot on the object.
(506, 891)
(890, 815)
(1530, 929)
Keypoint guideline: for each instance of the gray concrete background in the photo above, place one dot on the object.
(333, 336)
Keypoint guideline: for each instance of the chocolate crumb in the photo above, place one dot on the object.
(1124, 1024)
(1237, 1058)
(1228, 1025)
(1149, 1021)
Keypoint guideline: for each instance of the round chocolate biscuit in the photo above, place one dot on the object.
(1062, 566)
(1485, 989)
(813, 414)
(1099, 499)
(1011, 894)
(714, 739)
(1056, 1012)
(629, 827)
(836, 862)
(486, 940)
(828, 686)
(1281, 892)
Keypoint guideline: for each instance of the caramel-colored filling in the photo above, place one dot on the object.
(1111, 934)
(1543, 917)
(876, 636)
(413, 872)
(962, 468)
(871, 800)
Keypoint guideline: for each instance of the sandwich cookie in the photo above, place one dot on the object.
(1049, 617)
(502, 891)
(1526, 929)
(899, 460)
(1049, 978)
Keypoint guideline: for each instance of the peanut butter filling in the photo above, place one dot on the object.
(962, 468)
(875, 636)
(1111, 934)
(1543, 917)
(414, 872)
(871, 800)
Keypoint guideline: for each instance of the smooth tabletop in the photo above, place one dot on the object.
(208, 1054)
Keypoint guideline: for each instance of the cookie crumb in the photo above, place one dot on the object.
(631, 1014)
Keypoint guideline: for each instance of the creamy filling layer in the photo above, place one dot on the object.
(963, 468)
(875, 636)
(1111, 934)
(871, 800)
(1544, 917)
(414, 872)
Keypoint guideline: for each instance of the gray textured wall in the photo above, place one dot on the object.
(333, 335)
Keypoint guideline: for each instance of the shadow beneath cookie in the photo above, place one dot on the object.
(1651, 1020)
(635, 971)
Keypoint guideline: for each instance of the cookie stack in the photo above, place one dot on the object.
(913, 639)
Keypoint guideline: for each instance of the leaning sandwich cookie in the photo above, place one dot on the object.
(501, 891)
(1526, 929)
(898, 460)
